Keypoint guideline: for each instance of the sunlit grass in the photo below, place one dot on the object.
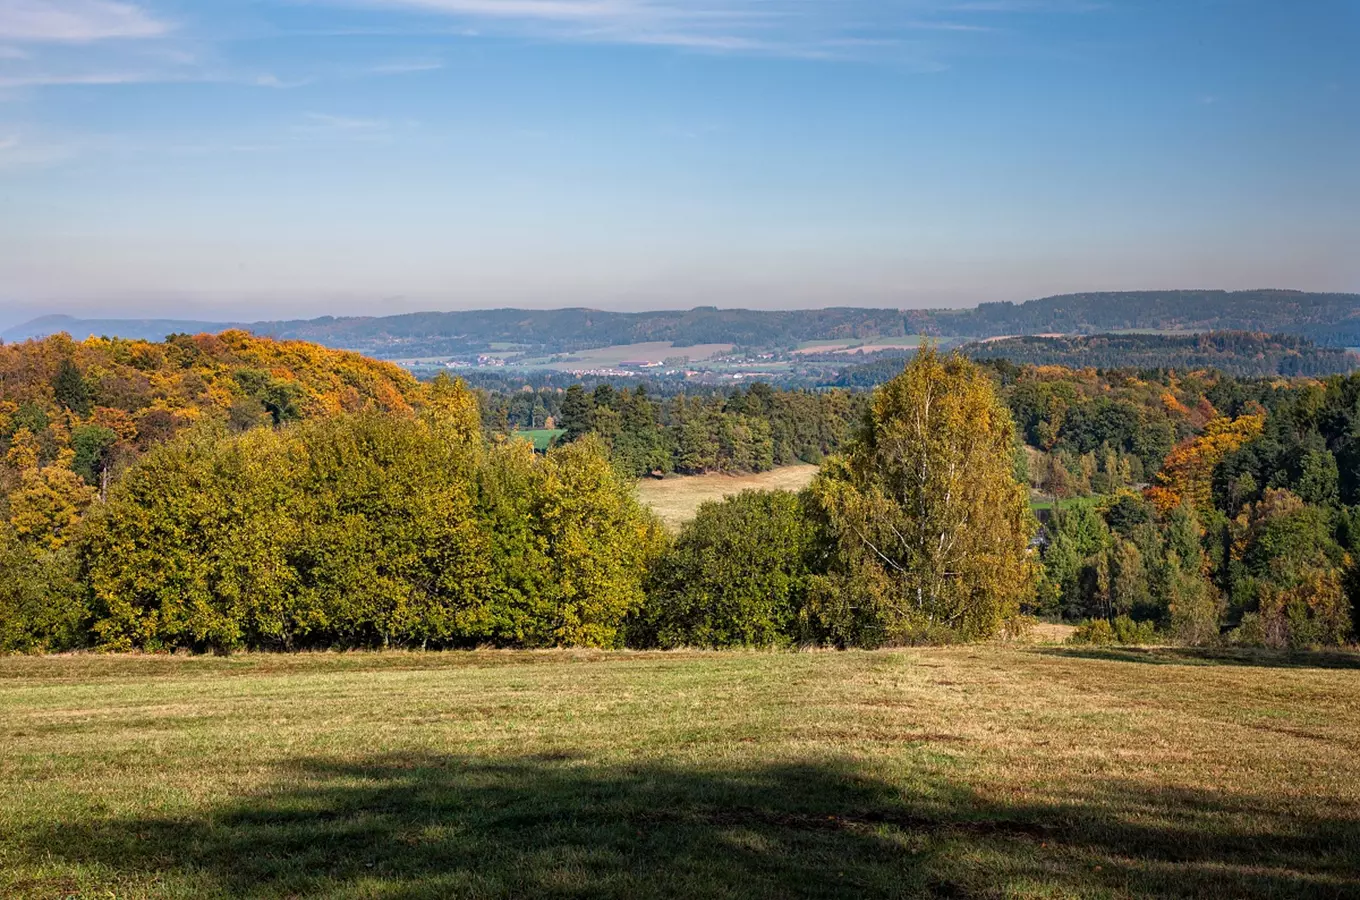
(987, 771)
(677, 499)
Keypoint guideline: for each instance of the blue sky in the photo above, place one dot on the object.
(246, 159)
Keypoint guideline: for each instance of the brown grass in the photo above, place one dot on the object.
(676, 500)
(965, 772)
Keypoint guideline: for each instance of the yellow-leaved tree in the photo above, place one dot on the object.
(1187, 473)
(929, 525)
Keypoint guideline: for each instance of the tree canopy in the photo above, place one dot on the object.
(930, 526)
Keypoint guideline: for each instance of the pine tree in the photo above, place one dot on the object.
(576, 413)
(69, 387)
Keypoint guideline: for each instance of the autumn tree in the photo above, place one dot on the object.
(451, 409)
(1187, 473)
(930, 527)
(48, 504)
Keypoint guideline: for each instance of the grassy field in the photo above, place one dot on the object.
(541, 438)
(676, 500)
(966, 772)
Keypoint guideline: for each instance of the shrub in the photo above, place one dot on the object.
(1098, 632)
(736, 576)
(1127, 631)
(41, 607)
(1123, 630)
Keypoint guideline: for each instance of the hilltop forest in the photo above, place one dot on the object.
(216, 492)
(1229, 352)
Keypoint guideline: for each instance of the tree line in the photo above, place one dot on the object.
(743, 430)
(1228, 352)
(279, 496)
(413, 528)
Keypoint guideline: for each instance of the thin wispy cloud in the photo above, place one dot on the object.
(97, 77)
(270, 80)
(76, 21)
(333, 127)
(404, 67)
(804, 28)
(28, 150)
(329, 122)
(48, 43)
(57, 79)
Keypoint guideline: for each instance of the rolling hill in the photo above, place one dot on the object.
(1331, 320)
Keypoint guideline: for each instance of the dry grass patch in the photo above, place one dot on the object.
(971, 772)
(677, 499)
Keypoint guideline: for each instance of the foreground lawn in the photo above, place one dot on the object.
(968, 772)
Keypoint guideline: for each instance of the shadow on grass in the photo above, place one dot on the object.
(432, 826)
(1271, 659)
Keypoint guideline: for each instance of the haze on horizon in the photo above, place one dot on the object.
(287, 158)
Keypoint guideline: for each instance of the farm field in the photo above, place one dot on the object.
(677, 499)
(608, 357)
(990, 771)
(867, 345)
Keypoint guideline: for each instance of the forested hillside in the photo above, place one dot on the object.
(1230, 352)
(1329, 319)
(91, 404)
(550, 331)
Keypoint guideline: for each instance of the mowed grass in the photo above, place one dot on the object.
(677, 499)
(965, 772)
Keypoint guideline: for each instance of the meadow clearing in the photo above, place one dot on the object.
(983, 771)
(677, 499)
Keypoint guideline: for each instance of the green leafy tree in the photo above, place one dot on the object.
(599, 544)
(388, 548)
(931, 528)
(193, 547)
(1295, 572)
(1069, 584)
(737, 575)
(94, 446)
(41, 605)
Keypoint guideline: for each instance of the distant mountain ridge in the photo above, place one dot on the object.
(1329, 319)
(132, 329)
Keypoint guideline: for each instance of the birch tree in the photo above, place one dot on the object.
(929, 526)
